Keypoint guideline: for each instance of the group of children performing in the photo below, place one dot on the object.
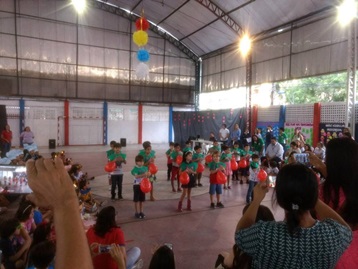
(190, 163)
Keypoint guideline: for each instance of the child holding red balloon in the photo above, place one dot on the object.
(149, 157)
(139, 172)
(169, 161)
(198, 157)
(216, 182)
(117, 175)
(236, 152)
(253, 179)
(177, 158)
(226, 158)
(187, 169)
(244, 164)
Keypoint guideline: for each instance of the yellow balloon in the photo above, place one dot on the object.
(140, 38)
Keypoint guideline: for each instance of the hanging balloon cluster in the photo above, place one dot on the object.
(140, 38)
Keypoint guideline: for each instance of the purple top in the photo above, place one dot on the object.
(27, 137)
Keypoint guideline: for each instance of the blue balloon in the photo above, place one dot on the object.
(143, 55)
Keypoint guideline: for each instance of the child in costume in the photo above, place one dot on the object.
(215, 187)
(189, 167)
(117, 174)
(175, 168)
(149, 157)
(198, 158)
(244, 171)
(226, 158)
(85, 195)
(169, 161)
(139, 172)
(253, 180)
(109, 153)
(236, 152)
(187, 146)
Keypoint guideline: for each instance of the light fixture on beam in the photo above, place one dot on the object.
(347, 11)
(245, 45)
(79, 5)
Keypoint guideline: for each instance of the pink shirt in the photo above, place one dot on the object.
(349, 259)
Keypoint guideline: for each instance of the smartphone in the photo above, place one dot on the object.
(104, 248)
(272, 181)
(169, 245)
(302, 158)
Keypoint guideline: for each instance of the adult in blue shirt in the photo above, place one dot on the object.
(235, 134)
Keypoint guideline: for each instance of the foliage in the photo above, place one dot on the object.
(327, 88)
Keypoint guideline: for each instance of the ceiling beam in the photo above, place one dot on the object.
(154, 28)
(175, 10)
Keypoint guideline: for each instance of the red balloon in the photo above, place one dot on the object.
(110, 167)
(234, 165)
(153, 169)
(145, 185)
(200, 168)
(184, 178)
(242, 163)
(262, 175)
(142, 24)
(208, 158)
(221, 177)
(179, 159)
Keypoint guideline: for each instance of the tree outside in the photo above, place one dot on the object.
(326, 88)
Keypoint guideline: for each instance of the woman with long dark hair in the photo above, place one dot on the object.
(105, 233)
(340, 189)
(300, 241)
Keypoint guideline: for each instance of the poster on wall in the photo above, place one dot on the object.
(305, 128)
(328, 131)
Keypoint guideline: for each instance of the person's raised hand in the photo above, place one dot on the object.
(260, 191)
(314, 160)
(118, 256)
(51, 185)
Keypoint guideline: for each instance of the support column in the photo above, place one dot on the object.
(282, 118)
(140, 123)
(248, 89)
(198, 67)
(170, 124)
(316, 121)
(66, 120)
(22, 117)
(351, 76)
(255, 111)
(105, 123)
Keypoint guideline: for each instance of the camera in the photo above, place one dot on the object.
(302, 158)
(104, 248)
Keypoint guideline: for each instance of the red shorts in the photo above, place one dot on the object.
(175, 172)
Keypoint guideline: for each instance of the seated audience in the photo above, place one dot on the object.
(236, 258)
(320, 151)
(42, 255)
(14, 252)
(105, 233)
(163, 258)
(52, 188)
(300, 241)
(340, 189)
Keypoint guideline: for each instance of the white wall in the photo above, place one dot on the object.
(155, 124)
(122, 122)
(86, 123)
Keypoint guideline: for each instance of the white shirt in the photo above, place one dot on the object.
(275, 150)
(224, 134)
(320, 152)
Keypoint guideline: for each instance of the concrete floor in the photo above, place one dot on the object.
(197, 236)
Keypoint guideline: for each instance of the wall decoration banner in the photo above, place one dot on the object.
(328, 131)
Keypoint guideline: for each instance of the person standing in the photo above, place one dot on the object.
(235, 134)
(268, 136)
(282, 138)
(224, 134)
(246, 138)
(27, 137)
(6, 137)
